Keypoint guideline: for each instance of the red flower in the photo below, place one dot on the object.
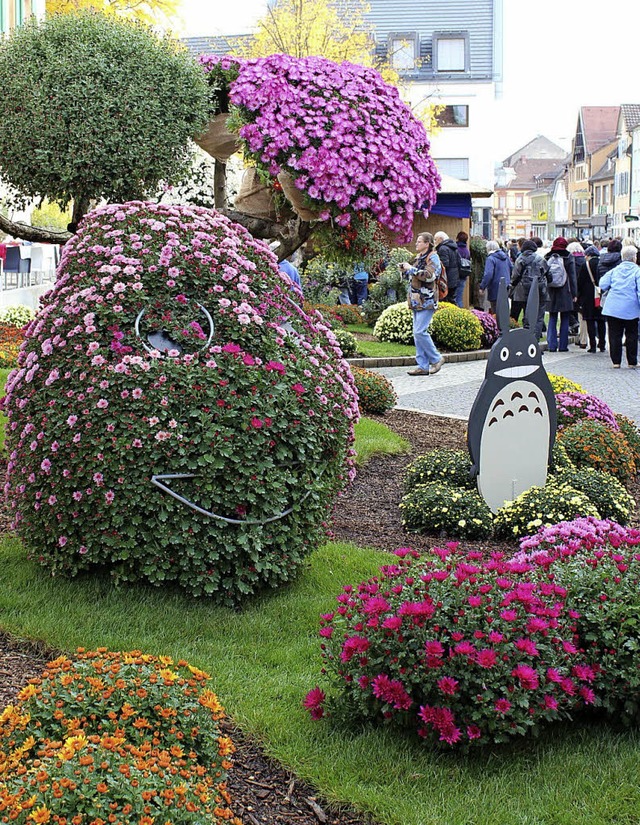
(313, 702)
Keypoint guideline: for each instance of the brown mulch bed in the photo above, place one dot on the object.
(368, 515)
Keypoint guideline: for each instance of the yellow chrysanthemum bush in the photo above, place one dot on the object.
(455, 329)
(118, 737)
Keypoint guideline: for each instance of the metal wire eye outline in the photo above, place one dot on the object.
(157, 480)
(151, 349)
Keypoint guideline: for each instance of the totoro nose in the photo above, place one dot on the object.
(519, 353)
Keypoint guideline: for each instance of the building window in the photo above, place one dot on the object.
(519, 201)
(403, 50)
(452, 116)
(622, 183)
(502, 202)
(580, 173)
(451, 51)
(605, 194)
(598, 196)
(456, 167)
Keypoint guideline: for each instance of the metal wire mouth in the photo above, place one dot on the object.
(159, 481)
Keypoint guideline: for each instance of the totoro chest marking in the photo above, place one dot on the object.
(514, 443)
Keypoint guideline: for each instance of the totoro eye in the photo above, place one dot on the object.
(504, 353)
(532, 350)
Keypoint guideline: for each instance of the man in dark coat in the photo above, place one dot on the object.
(562, 299)
(448, 254)
(529, 266)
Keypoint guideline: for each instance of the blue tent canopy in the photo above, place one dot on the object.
(452, 205)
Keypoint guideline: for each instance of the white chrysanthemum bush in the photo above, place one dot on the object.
(175, 416)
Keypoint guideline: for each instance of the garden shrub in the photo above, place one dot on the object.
(598, 563)
(603, 490)
(320, 280)
(490, 328)
(540, 506)
(390, 287)
(453, 467)
(256, 424)
(464, 652)
(395, 325)
(347, 313)
(455, 329)
(85, 725)
(324, 312)
(16, 315)
(630, 431)
(561, 384)
(437, 508)
(376, 395)
(594, 444)
(346, 342)
(576, 406)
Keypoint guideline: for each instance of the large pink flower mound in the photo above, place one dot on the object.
(175, 416)
(343, 134)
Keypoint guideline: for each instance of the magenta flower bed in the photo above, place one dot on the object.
(462, 651)
(339, 130)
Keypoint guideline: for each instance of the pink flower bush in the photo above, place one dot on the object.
(339, 130)
(170, 346)
(576, 406)
(465, 651)
(598, 563)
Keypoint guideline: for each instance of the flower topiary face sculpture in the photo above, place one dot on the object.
(175, 416)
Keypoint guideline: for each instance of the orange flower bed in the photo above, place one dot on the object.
(116, 738)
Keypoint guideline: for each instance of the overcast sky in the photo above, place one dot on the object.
(558, 55)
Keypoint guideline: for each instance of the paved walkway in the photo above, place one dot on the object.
(452, 391)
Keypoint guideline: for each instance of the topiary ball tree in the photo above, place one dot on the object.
(98, 107)
(175, 416)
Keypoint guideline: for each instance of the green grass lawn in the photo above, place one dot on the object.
(263, 660)
(374, 438)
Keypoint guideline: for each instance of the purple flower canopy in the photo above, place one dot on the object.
(341, 132)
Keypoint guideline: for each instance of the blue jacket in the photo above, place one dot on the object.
(623, 283)
(497, 266)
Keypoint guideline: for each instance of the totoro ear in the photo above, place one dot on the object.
(502, 307)
(533, 303)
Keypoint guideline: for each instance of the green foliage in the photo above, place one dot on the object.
(395, 325)
(347, 313)
(346, 341)
(542, 506)
(441, 464)
(105, 108)
(437, 508)
(49, 216)
(630, 431)
(592, 444)
(375, 392)
(455, 329)
(603, 490)
(390, 288)
(321, 280)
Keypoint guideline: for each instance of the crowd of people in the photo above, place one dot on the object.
(588, 289)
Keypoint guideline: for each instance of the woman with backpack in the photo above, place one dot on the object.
(588, 291)
(529, 266)
(563, 293)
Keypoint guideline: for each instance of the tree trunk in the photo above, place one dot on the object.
(220, 185)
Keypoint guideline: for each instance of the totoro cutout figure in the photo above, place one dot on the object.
(512, 424)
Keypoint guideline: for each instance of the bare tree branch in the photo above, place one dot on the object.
(32, 233)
